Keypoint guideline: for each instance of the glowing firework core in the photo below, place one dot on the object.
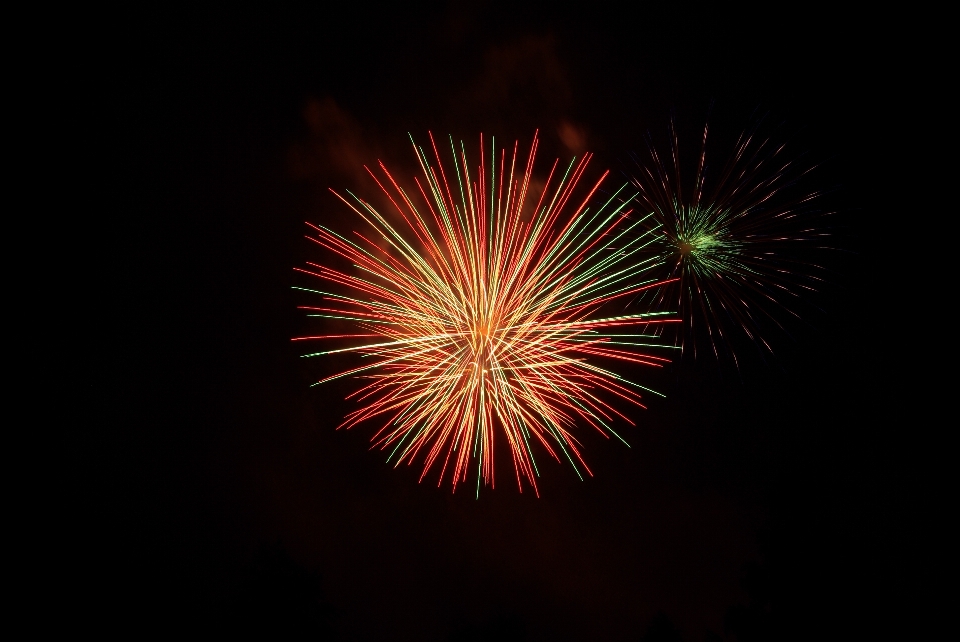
(698, 245)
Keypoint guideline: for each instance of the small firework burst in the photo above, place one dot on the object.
(488, 314)
(736, 243)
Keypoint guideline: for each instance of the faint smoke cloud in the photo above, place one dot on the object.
(523, 86)
(575, 138)
(336, 148)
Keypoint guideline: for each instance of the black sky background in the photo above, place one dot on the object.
(775, 506)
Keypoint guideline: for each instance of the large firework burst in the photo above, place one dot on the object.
(483, 309)
(736, 243)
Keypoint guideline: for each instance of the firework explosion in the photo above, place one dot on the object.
(731, 244)
(482, 316)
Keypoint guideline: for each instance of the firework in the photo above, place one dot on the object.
(735, 244)
(483, 311)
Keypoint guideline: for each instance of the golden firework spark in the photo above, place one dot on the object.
(485, 315)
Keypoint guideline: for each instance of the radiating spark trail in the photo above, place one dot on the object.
(485, 315)
(736, 249)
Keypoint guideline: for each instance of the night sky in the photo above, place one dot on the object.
(767, 505)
